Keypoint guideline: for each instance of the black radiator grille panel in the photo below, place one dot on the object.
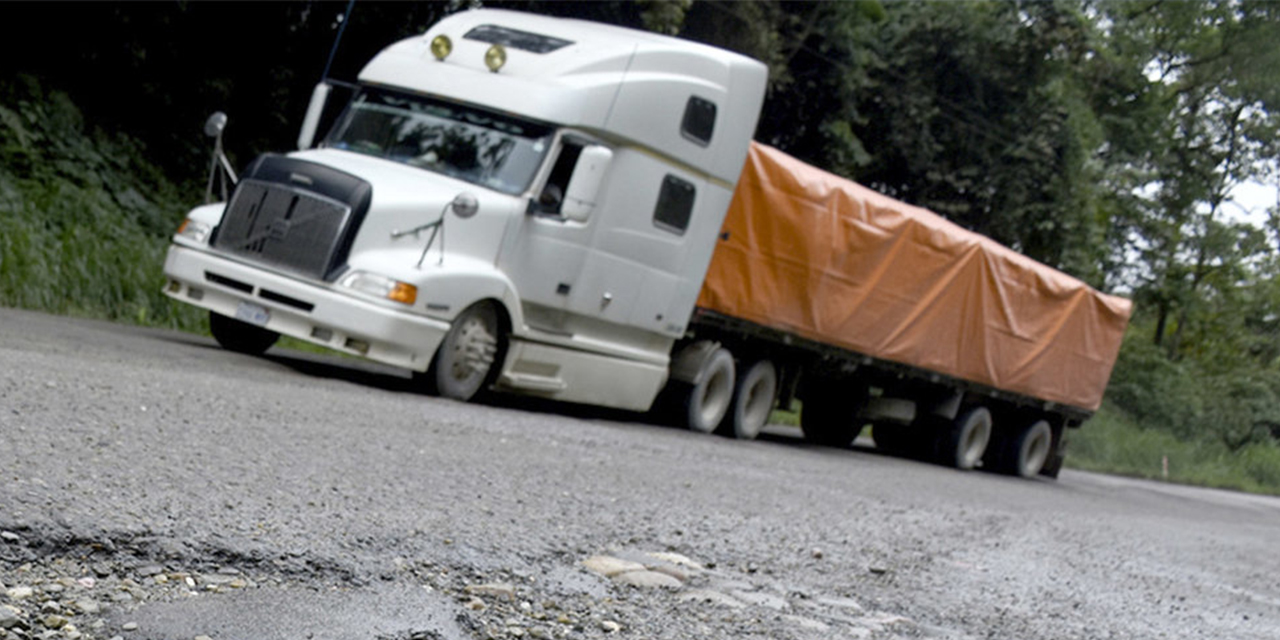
(283, 227)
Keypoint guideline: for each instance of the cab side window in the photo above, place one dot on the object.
(552, 196)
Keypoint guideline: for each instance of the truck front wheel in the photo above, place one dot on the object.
(241, 337)
(464, 363)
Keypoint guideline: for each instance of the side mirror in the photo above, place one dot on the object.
(584, 186)
(319, 96)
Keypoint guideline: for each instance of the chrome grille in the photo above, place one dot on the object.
(285, 228)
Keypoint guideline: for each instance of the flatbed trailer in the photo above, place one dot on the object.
(873, 311)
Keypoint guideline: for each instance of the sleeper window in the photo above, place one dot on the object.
(699, 120)
(675, 205)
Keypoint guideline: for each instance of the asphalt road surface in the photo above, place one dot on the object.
(155, 486)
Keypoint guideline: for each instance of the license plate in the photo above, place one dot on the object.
(253, 314)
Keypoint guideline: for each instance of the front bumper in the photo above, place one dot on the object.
(315, 313)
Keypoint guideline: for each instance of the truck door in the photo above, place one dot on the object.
(638, 270)
(637, 261)
(546, 253)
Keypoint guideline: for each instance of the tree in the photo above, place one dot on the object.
(819, 63)
(978, 112)
(1216, 92)
(1205, 121)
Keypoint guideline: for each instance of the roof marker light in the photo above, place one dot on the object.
(441, 47)
(495, 57)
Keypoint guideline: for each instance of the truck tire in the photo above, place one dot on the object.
(241, 337)
(1025, 451)
(963, 443)
(707, 402)
(464, 364)
(753, 397)
(830, 414)
(1058, 455)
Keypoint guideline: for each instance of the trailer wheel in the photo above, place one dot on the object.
(963, 443)
(241, 337)
(829, 416)
(463, 365)
(753, 397)
(707, 402)
(1057, 453)
(1025, 452)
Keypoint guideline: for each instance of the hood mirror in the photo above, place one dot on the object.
(215, 124)
(465, 205)
(220, 170)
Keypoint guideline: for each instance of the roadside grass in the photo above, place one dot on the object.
(1115, 443)
(91, 267)
(790, 418)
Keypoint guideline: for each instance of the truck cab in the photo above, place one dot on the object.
(508, 201)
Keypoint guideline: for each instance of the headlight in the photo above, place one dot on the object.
(196, 231)
(380, 286)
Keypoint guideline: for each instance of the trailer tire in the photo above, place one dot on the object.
(753, 397)
(1058, 455)
(1025, 451)
(707, 401)
(464, 363)
(963, 443)
(829, 416)
(241, 337)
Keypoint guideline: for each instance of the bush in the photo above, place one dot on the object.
(1233, 403)
(1146, 383)
(84, 217)
(1114, 442)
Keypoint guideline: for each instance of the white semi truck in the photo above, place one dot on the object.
(535, 205)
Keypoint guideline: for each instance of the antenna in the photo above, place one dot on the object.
(346, 17)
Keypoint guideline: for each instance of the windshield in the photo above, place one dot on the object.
(483, 148)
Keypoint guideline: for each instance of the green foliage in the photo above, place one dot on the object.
(1163, 392)
(1232, 404)
(981, 111)
(84, 219)
(819, 66)
(1209, 119)
(664, 16)
(1114, 442)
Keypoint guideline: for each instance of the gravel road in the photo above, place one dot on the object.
(156, 487)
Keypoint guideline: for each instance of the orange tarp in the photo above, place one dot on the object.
(820, 256)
